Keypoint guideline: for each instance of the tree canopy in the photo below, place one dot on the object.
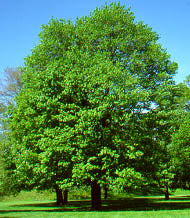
(93, 104)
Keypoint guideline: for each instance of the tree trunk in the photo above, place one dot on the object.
(66, 196)
(95, 195)
(105, 192)
(166, 193)
(59, 196)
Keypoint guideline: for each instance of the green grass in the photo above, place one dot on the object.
(81, 210)
(131, 207)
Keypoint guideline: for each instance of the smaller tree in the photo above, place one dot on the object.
(10, 85)
(185, 97)
(9, 88)
(180, 145)
(181, 153)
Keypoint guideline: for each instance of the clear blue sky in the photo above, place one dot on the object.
(21, 20)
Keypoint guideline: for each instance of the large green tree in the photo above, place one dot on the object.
(92, 92)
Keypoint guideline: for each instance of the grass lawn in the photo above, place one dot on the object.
(137, 207)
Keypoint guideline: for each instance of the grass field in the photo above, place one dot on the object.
(132, 207)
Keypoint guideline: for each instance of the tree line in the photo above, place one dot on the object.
(95, 103)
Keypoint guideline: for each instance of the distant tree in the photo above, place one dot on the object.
(92, 105)
(185, 99)
(9, 87)
(181, 147)
(181, 139)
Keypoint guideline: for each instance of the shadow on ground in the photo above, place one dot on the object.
(127, 204)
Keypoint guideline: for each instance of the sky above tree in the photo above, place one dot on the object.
(21, 22)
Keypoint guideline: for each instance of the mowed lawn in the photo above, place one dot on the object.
(153, 207)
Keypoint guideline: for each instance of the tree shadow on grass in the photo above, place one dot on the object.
(147, 204)
(125, 204)
(9, 217)
(79, 205)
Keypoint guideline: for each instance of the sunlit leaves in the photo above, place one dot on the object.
(91, 93)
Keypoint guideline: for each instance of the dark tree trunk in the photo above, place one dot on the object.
(105, 192)
(59, 196)
(167, 197)
(65, 196)
(95, 195)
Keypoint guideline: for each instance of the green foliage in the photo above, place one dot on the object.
(6, 182)
(181, 152)
(93, 104)
(181, 137)
(185, 99)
